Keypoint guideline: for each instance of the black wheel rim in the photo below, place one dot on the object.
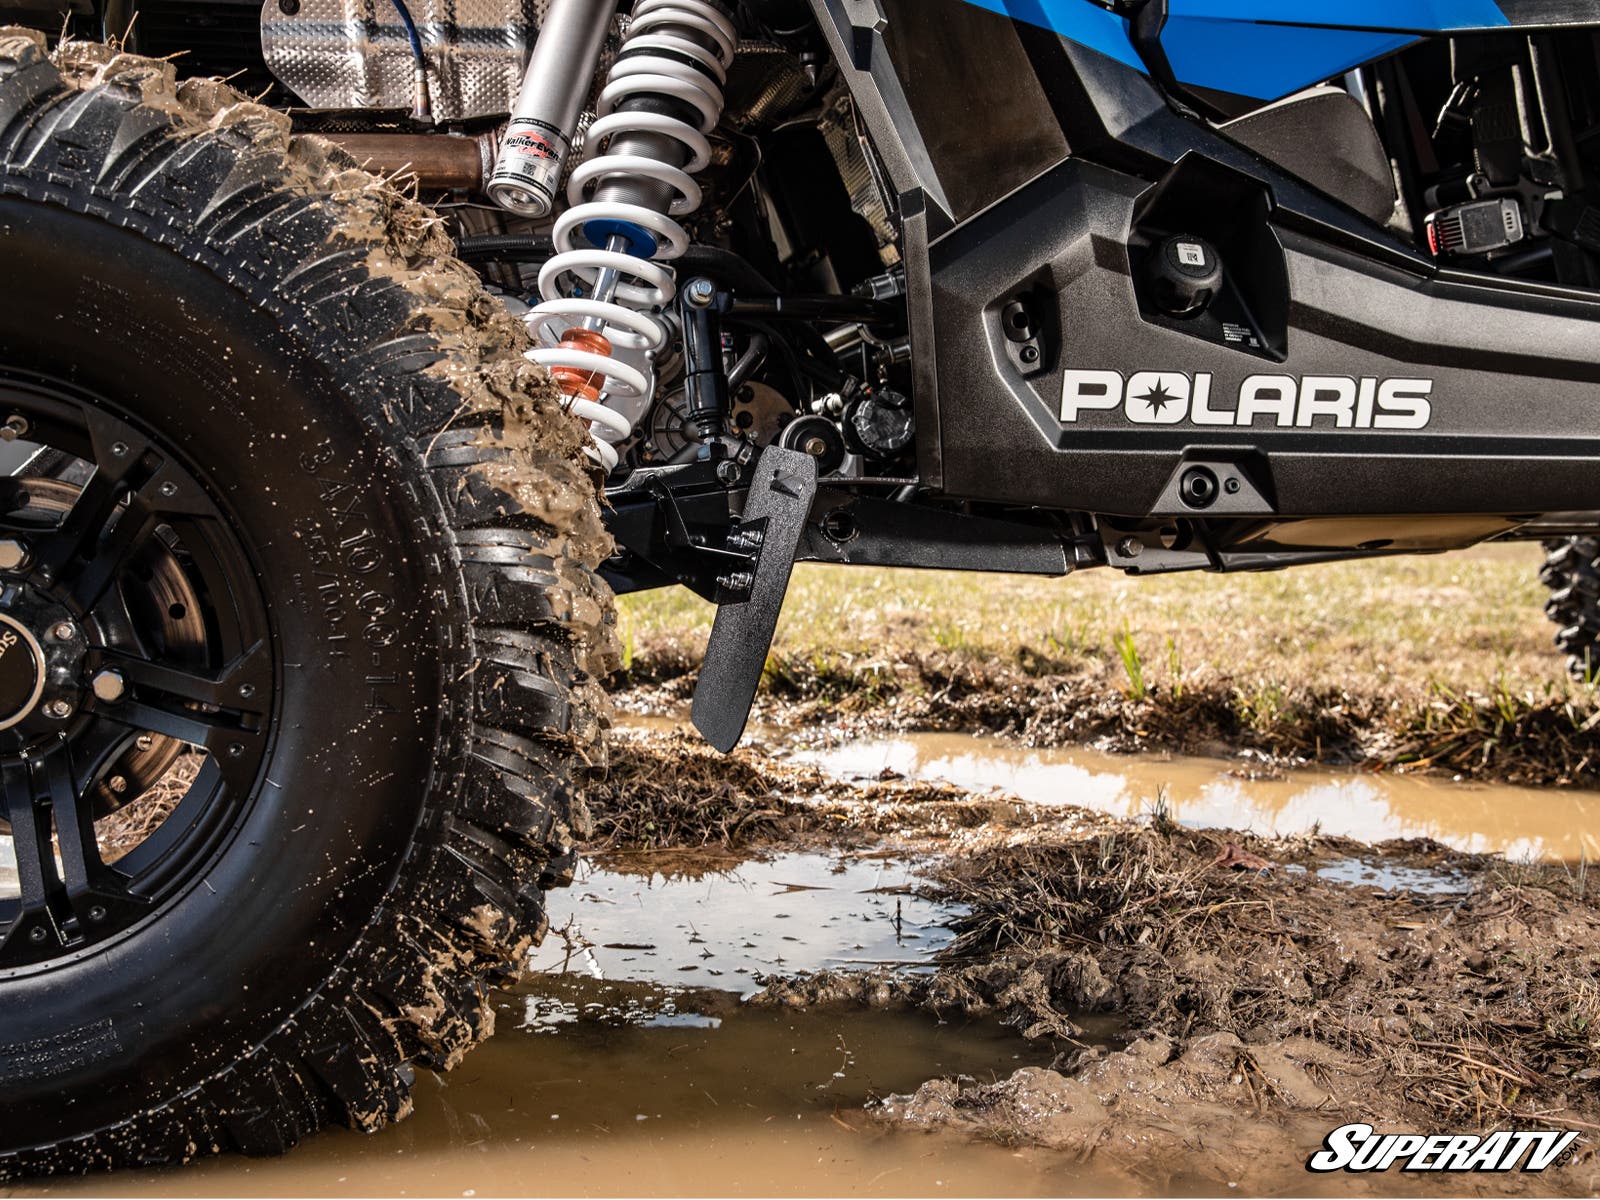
(131, 622)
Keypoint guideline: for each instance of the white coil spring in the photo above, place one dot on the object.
(644, 285)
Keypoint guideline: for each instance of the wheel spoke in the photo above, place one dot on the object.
(30, 835)
(81, 865)
(232, 724)
(67, 902)
(79, 532)
(243, 685)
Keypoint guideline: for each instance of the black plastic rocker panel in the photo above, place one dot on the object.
(1432, 395)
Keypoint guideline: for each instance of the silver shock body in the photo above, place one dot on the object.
(533, 152)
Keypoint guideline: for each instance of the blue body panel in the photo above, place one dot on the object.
(1246, 47)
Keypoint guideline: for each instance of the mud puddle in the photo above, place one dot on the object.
(727, 925)
(628, 1064)
(627, 1097)
(1520, 823)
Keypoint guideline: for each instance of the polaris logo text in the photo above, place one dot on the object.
(1359, 1148)
(1281, 401)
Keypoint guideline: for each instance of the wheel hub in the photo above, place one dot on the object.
(22, 672)
(42, 653)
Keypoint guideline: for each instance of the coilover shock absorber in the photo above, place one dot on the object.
(596, 325)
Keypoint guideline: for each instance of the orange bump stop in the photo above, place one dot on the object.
(575, 382)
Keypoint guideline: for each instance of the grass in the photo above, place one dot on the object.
(1438, 662)
(1400, 624)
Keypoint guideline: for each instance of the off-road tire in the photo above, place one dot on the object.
(394, 389)
(1572, 573)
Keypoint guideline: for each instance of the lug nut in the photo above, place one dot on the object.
(60, 710)
(13, 555)
(109, 685)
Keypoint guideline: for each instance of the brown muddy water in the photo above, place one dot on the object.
(1520, 823)
(627, 1065)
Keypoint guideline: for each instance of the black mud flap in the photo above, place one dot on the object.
(775, 515)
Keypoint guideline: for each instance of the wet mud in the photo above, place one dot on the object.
(929, 964)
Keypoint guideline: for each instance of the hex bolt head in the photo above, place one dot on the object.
(13, 555)
(109, 685)
(58, 710)
(62, 631)
(1130, 547)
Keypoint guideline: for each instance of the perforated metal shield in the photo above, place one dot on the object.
(344, 54)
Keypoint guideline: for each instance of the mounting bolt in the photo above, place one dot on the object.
(14, 428)
(700, 292)
(168, 489)
(58, 710)
(737, 581)
(729, 471)
(1130, 547)
(97, 913)
(117, 784)
(109, 685)
(37, 934)
(144, 742)
(235, 750)
(62, 631)
(13, 555)
(246, 690)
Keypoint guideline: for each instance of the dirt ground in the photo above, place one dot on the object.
(1442, 663)
(1262, 997)
(1260, 1002)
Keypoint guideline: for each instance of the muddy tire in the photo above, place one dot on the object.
(326, 432)
(1572, 573)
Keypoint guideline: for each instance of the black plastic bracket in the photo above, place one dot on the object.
(778, 505)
